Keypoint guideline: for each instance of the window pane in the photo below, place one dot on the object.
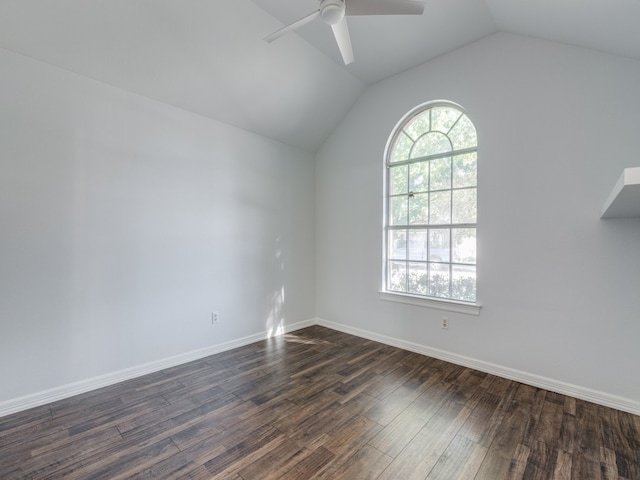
(418, 245)
(440, 171)
(397, 244)
(401, 148)
(432, 206)
(398, 213)
(464, 170)
(439, 250)
(430, 144)
(419, 209)
(465, 206)
(440, 212)
(399, 179)
(418, 125)
(418, 278)
(463, 134)
(419, 177)
(463, 242)
(397, 276)
(463, 282)
(439, 282)
(443, 118)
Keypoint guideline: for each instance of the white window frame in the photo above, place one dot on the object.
(459, 306)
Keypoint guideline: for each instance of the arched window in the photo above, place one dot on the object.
(431, 205)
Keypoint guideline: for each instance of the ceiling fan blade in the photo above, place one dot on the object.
(293, 26)
(341, 32)
(383, 7)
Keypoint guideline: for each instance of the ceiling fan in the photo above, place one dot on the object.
(333, 12)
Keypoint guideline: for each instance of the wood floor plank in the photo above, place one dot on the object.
(486, 417)
(460, 460)
(562, 470)
(235, 457)
(14, 428)
(550, 423)
(419, 456)
(567, 436)
(518, 464)
(542, 460)
(351, 435)
(398, 434)
(182, 412)
(588, 432)
(384, 411)
(186, 461)
(61, 452)
(274, 463)
(366, 464)
(608, 465)
(320, 404)
(309, 465)
(118, 466)
(582, 468)
(326, 421)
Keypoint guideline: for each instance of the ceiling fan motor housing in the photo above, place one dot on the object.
(332, 11)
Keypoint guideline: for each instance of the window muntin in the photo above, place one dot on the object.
(431, 205)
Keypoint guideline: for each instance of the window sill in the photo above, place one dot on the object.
(449, 305)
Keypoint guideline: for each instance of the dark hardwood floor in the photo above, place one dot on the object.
(320, 404)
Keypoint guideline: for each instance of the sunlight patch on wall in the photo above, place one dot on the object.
(275, 301)
(275, 320)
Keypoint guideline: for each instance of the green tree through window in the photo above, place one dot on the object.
(431, 205)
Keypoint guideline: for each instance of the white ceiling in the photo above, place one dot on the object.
(208, 56)
(386, 45)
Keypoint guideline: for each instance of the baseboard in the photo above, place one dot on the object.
(42, 398)
(594, 396)
(69, 390)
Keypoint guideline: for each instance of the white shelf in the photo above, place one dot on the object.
(624, 201)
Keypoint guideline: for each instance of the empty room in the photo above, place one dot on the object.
(320, 239)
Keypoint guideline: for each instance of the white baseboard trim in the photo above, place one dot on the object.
(594, 396)
(42, 398)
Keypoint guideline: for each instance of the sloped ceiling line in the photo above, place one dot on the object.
(209, 56)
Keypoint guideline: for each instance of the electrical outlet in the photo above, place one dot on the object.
(445, 322)
(214, 318)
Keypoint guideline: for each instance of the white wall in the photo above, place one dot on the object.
(560, 288)
(125, 222)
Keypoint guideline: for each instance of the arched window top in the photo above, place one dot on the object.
(430, 130)
(431, 205)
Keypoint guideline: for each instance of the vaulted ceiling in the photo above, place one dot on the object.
(209, 57)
